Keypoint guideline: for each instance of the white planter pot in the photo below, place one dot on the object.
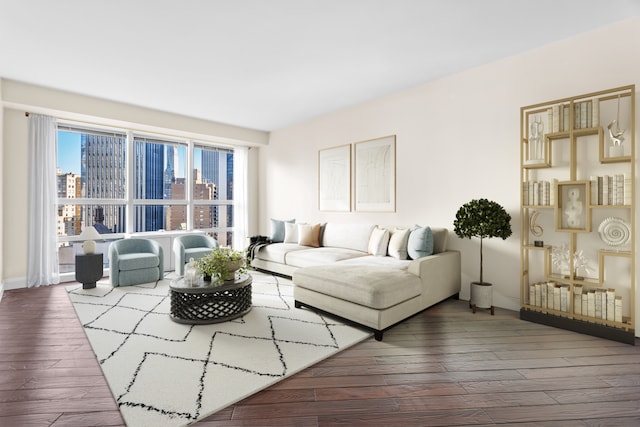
(481, 296)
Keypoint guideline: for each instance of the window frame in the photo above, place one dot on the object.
(129, 201)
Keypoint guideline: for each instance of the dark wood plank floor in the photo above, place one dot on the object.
(444, 367)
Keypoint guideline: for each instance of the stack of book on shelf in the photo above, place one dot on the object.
(537, 193)
(610, 190)
(550, 295)
(597, 303)
(586, 115)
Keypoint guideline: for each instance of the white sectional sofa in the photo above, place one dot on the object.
(371, 275)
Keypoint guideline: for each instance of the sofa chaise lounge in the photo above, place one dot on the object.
(371, 275)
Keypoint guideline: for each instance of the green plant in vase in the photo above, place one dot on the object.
(482, 218)
(221, 264)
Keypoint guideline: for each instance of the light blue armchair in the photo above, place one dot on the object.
(135, 261)
(191, 246)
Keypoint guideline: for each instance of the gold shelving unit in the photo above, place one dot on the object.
(577, 166)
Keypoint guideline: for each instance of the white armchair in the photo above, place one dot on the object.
(191, 246)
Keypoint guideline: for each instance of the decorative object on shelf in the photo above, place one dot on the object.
(538, 243)
(482, 218)
(89, 235)
(573, 208)
(536, 230)
(616, 149)
(580, 262)
(615, 231)
(560, 258)
(222, 264)
(536, 146)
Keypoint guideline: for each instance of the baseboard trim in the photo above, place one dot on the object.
(16, 283)
(581, 326)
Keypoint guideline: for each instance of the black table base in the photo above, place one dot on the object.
(211, 306)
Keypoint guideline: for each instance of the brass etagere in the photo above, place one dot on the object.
(578, 213)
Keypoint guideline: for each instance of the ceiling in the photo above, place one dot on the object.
(267, 64)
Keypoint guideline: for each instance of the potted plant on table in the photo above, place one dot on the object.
(482, 218)
(222, 264)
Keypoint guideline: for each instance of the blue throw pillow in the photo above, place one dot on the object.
(277, 229)
(420, 243)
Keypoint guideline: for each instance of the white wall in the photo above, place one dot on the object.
(1, 194)
(457, 139)
(19, 97)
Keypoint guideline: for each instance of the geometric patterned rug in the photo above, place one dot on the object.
(163, 373)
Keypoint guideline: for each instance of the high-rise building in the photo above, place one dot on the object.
(69, 220)
(217, 168)
(103, 176)
(149, 185)
(170, 172)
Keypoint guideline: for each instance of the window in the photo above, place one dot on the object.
(213, 192)
(159, 174)
(93, 187)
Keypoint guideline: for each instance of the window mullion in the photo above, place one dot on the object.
(129, 189)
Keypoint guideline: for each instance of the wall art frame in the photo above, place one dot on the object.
(375, 175)
(334, 179)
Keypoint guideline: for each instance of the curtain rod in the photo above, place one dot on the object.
(26, 114)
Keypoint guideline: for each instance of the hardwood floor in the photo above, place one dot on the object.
(444, 367)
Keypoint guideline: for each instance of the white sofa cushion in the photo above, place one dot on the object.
(440, 239)
(379, 242)
(290, 232)
(398, 243)
(348, 236)
(319, 256)
(375, 287)
(276, 252)
(277, 229)
(378, 261)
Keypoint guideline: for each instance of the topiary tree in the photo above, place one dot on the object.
(482, 218)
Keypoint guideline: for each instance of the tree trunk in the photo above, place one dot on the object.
(481, 281)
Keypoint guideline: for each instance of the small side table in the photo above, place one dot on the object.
(481, 296)
(88, 270)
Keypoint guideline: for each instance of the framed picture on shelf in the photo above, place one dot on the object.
(334, 179)
(375, 175)
(572, 206)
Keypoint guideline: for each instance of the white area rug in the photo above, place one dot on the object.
(163, 373)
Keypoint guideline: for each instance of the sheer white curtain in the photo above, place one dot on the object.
(42, 261)
(240, 197)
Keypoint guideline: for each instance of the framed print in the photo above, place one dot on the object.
(572, 206)
(334, 179)
(375, 175)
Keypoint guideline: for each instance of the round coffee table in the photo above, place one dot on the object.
(210, 302)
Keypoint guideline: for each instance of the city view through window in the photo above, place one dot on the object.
(164, 194)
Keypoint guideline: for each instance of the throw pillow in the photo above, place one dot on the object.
(290, 232)
(420, 242)
(277, 229)
(378, 242)
(398, 243)
(309, 235)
